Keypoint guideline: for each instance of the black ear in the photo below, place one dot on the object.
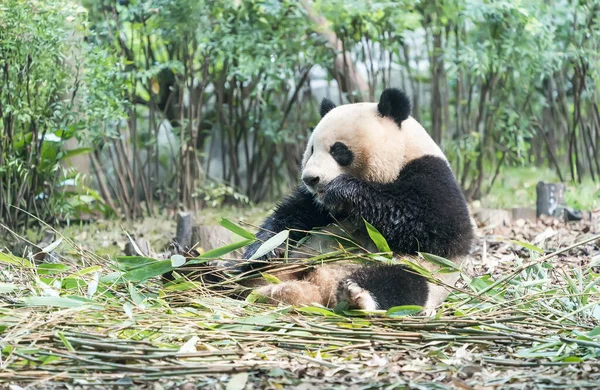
(394, 104)
(326, 106)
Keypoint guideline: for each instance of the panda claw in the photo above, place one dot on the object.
(356, 296)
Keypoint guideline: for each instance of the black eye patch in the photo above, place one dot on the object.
(340, 152)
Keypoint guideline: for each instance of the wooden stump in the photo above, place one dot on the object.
(494, 217)
(549, 197)
(211, 237)
(142, 244)
(185, 223)
(524, 213)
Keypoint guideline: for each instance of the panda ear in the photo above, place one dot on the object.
(394, 104)
(326, 106)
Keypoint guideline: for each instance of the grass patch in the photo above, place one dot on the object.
(515, 187)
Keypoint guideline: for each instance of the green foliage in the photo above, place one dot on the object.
(51, 87)
(499, 85)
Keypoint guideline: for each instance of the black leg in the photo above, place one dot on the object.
(383, 286)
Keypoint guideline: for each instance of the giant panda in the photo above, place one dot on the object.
(371, 162)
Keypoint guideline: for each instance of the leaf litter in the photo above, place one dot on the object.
(526, 314)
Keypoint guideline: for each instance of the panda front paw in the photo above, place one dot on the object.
(337, 195)
(357, 297)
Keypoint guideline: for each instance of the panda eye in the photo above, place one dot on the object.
(341, 154)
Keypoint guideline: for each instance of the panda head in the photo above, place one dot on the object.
(370, 141)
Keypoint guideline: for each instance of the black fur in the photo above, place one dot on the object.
(341, 154)
(391, 285)
(394, 104)
(298, 211)
(326, 106)
(422, 211)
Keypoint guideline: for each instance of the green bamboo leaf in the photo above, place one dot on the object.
(53, 302)
(528, 246)
(85, 271)
(318, 310)
(437, 260)
(272, 279)
(403, 311)
(135, 295)
(132, 262)
(49, 269)
(416, 268)
(65, 341)
(217, 252)
(255, 297)
(75, 152)
(9, 258)
(271, 244)
(232, 227)
(377, 238)
(149, 271)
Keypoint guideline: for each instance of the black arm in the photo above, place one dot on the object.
(298, 211)
(422, 211)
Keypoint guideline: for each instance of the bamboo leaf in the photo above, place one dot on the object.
(318, 310)
(149, 271)
(232, 227)
(177, 261)
(136, 297)
(377, 237)
(131, 262)
(49, 269)
(135, 246)
(270, 278)
(52, 246)
(93, 285)
(75, 152)
(9, 258)
(403, 311)
(271, 244)
(437, 260)
(53, 302)
(528, 246)
(65, 341)
(217, 252)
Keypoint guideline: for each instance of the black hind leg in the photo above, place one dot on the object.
(382, 287)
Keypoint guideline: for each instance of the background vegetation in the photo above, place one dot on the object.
(185, 103)
(140, 108)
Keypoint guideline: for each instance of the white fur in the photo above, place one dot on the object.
(380, 148)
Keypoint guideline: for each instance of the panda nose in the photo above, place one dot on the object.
(311, 181)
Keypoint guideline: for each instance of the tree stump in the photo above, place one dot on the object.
(494, 217)
(211, 237)
(549, 197)
(183, 235)
(524, 213)
(142, 244)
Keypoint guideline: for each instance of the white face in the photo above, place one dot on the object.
(354, 139)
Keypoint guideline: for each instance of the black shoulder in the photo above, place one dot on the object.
(428, 185)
